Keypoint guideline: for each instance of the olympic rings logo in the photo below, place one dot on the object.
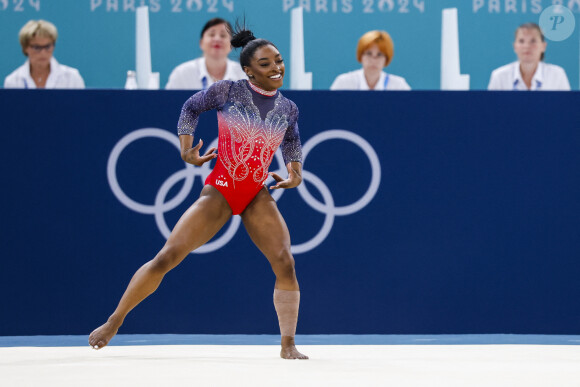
(188, 174)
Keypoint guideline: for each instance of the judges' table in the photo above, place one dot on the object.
(420, 212)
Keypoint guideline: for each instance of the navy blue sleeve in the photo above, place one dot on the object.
(291, 145)
(213, 98)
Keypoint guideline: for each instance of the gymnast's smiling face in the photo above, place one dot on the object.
(266, 68)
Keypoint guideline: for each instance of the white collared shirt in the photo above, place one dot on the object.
(193, 75)
(546, 77)
(355, 80)
(60, 77)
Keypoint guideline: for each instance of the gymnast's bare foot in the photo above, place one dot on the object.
(101, 336)
(289, 350)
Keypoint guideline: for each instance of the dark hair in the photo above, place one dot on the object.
(531, 26)
(243, 37)
(214, 22)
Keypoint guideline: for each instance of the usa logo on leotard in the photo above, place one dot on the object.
(188, 173)
(221, 183)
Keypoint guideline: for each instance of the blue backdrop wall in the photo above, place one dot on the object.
(98, 36)
(472, 226)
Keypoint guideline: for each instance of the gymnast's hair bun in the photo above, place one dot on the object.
(242, 37)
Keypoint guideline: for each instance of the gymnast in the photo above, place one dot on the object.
(254, 118)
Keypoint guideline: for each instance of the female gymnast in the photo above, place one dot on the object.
(254, 119)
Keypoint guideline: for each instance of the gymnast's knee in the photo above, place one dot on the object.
(166, 259)
(283, 264)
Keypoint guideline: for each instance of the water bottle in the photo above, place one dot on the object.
(131, 83)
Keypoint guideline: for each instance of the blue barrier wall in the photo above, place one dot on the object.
(474, 227)
(98, 36)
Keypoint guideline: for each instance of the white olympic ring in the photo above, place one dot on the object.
(160, 206)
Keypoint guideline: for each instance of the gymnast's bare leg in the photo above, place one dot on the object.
(269, 233)
(197, 226)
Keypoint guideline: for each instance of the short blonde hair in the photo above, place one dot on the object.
(382, 39)
(35, 28)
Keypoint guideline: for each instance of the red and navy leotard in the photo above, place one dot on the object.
(251, 127)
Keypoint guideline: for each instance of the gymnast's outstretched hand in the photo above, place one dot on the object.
(294, 176)
(191, 155)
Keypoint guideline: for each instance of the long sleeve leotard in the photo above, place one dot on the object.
(252, 126)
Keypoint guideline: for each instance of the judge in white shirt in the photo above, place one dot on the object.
(529, 72)
(375, 51)
(42, 70)
(214, 65)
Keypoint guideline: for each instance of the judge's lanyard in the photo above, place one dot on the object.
(386, 82)
(204, 82)
(517, 81)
